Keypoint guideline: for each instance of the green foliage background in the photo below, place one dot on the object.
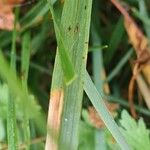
(27, 59)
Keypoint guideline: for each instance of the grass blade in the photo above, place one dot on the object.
(125, 103)
(99, 105)
(11, 113)
(115, 40)
(25, 59)
(142, 14)
(67, 66)
(34, 15)
(120, 65)
(24, 76)
(75, 23)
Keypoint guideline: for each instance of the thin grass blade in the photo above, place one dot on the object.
(25, 58)
(11, 113)
(99, 105)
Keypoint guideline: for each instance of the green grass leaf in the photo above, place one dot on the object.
(74, 24)
(99, 105)
(120, 65)
(11, 113)
(25, 60)
(67, 65)
(115, 40)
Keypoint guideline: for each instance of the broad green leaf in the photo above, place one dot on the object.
(87, 141)
(72, 31)
(136, 133)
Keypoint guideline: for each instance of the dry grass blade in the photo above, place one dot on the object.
(130, 96)
(55, 110)
(144, 89)
(141, 47)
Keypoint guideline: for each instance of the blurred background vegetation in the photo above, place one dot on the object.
(109, 64)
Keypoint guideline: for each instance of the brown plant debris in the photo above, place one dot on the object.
(112, 107)
(95, 118)
(141, 47)
(6, 13)
(54, 118)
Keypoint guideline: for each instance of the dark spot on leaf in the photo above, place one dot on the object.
(76, 28)
(85, 7)
(69, 28)
(82, 82)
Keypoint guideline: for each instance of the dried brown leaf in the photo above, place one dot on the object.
(6, 13)
(141, 46)
(145, 91)
(136, 37)
(95, 118)
(54, 117)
